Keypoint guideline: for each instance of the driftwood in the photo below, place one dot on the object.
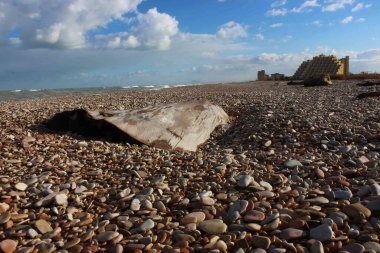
(295, 82)
(369, 83)
(368, 95)
(318, 81)
(180, 126)
(322, 80)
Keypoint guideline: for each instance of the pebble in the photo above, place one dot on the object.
(147, 225)
(291, 233)
(317, 247)
(8, 246)
(354, 248)
(43, 226)
(261, 242)
(374, 206)
(283, 178)
(135, 205)
(372, 246)
(356, 210)
(254, 215)
(214, 227)
(194, 217)
(244, 181)
(106, 236)
(21, 186)
(341, 194)
(375, 189)
(292, 164)
(322, 233)
(61, 199)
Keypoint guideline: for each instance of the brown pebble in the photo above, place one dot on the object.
(8, 246)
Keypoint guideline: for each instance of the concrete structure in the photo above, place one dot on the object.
(323, 65)
(261, 76)
(277, 77)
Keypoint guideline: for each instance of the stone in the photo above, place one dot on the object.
(374, 205)
(8, 246)
(317, 247)
(322, 233)
(239, 206)
(43, 226)
(183, 237)
(146, 225)
(356, 210)
(21, 186)
(372, 246)
(261, 242)
(221, 246)
(318, 200)
(207, 201)
(272, 225)
(244, 181)
(194, 217)
(5, 217)
(375, 189)
(3, 207)
(106, 236)
(254, 215)
(342, 195)
(214, 227)
(61, 199)
(354, 248)
(135, 205)
(71, 243)
(363, 159)
(292, 164)
(31, 233)
(291, 233)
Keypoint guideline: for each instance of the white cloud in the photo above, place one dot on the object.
(152, 30)
(278, 3)
(305, 6)
(347, 20)
(277, 12)
(60, 23)
(360, 20)
(259, 36)
(287, 38)
(316, 22)
(334, 5)
(66, 23)
(231, 30)
(276, 25)
(360, 6)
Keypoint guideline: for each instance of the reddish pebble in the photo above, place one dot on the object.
(8, 246)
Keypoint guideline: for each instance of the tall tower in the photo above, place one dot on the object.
(347, 67)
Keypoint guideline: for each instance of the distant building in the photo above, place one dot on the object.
(261, 76)
(277, 77)
(323, 65)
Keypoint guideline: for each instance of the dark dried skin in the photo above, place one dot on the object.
(368, 95)
(80, 122)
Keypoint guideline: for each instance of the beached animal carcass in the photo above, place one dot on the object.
(180, 126)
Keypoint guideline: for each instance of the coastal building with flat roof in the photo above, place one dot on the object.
(261, 76)
(323, 65)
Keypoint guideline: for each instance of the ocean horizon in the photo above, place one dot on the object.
(20, 94)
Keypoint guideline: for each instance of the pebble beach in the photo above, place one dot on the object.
(296, 170)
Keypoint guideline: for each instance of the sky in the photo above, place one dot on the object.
(88, 43)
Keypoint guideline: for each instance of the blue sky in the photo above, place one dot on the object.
(81, 43)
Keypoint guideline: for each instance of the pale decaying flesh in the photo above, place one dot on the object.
(182, 126)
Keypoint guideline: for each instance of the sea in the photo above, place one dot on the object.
(6, 95)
